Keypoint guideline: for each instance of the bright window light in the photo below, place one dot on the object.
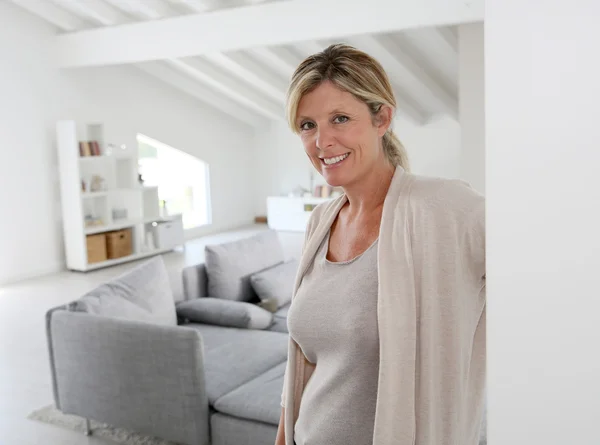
(182, 180)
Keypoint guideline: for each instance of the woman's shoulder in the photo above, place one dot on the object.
(444, 195)
(322, 211)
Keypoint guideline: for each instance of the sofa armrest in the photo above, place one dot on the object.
(135, 375)
(195, 282)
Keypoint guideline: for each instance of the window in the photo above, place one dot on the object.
(182, 180)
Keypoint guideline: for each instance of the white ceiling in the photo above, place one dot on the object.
(250, 84)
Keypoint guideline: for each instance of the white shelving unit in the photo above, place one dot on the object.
(291, 214)
(117, 202)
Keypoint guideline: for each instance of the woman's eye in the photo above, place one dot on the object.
(340, 119)
(306, 126)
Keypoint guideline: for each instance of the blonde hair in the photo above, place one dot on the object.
(352, 71)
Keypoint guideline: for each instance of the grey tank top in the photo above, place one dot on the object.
(333, 318)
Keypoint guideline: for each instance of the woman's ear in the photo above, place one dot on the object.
(384, 119)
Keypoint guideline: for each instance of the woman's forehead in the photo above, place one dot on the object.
(326, 100)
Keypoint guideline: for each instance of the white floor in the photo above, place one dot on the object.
(24, 371)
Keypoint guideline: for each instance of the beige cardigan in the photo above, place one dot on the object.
(431, 313)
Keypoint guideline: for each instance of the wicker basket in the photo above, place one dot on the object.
(118, 243)
(96, 248)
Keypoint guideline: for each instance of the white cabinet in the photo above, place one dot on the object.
(290, 214)
(168, 234)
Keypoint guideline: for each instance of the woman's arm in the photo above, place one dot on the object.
(280, 440)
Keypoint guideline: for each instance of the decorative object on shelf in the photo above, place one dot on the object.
(96, 248)
(111, 149)
(89, 148)
(149, 243)
(91, 220)
(163, 208)
(97, 183)
(119, 244)
(298, 192)
(119, 214)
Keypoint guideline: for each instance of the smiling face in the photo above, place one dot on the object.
(340, 135)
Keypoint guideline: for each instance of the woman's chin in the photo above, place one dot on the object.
(334, 179)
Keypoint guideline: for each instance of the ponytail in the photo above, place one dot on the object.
(394, 151)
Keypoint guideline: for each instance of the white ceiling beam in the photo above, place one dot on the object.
(144, 9)
(250, 72)
(309, 48)
(265, 24)
(412, 75)
(194, 6)
(96, 11)
(208, 96)
(281, 60)
(64, 20)
(406, 108)
(447, 37)
(210, 76)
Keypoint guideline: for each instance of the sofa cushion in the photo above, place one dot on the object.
(228, 430)
(216, 311)
(258, 399)
(279, 325)
(142, 294)
(276, 283)
(230, 265)
(234, 356)
(283, 311)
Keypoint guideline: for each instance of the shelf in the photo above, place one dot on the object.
(94, 158)
(104, 158)
(110, 227)
(135, 256)
(89, 195)
(116, 190)
(127, 223)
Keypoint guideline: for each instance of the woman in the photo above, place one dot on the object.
(387, 322)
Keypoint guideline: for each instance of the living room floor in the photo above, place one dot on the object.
(25, 383)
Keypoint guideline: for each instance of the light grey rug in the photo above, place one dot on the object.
(50, 415)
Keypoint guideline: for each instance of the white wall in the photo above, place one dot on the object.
(35, 94)
(30, 91)
(433, 149)
(471, 104)
(128, 101)
(543, 239)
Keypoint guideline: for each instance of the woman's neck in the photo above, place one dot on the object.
(368, 194)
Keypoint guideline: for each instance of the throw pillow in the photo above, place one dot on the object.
(215, 311)
(270, 305)
(229, 265)
(142, 293)
(276, 283)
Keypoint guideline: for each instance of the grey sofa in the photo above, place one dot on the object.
(121, 355)
(126, 354)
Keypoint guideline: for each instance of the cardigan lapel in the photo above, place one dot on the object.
(395, 409)
(295, 366)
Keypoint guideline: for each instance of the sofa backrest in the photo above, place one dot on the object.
(143, 293)
(195, 282)
(228, 267)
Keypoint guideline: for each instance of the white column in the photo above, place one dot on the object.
(543, 228)
(471, 104)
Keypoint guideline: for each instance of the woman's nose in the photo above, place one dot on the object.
(325, 139)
